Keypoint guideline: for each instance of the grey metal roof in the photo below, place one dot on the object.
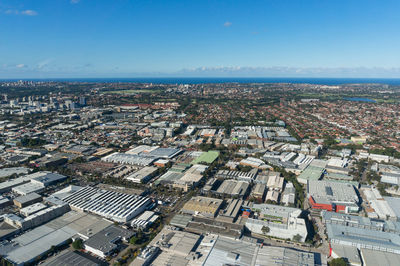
(106, 238)
(240, 252)
(27, 198)
(70, 258)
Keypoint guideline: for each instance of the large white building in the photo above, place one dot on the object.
(282, 222)
(116, 206)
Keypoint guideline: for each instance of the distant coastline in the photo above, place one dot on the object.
(195, 80)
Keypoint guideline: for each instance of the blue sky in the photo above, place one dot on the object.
(128, 38)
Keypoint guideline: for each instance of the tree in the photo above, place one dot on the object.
(338, 262)
(77, 244)
(297, 238)
(265, 229)
(133, 240)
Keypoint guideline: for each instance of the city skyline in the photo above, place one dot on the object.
(61, 39)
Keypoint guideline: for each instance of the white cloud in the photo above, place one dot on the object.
(44, 63)
(75, 1)
(29, 12)
(20, 66)
(227, 24)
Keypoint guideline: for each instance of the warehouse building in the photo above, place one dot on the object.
(311, 173)
(228, 251)
(207, 207)
(272, 196)
(38, 182)
(107, 240)
(26, 200)
(253, 162)
(191, 177)
(351, 254)
(5, 172)
(28, 188)
(289, 194)
(264, 177)
(143, 175)
(171, 247)
(9, 184)
(165, 153)
(27, 247)
(258, 192)
(275, 183)
(332, 196)
(238, 175)
(4, 202)
(37, 217)
(375, 257)
(116, 206)
(390, 178)
(231, 211)
(362, 232)
(233, 188)
(46, 178)
(145, 220)
(69, 257)
(132, 159)
(31, 209)
(381, 208)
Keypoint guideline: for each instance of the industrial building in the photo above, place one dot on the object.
(275, 183)
(28, 188)
(207, 207)
(375, 257)
(27, 247)
(231, 211)
(143, 175)
(283, 222)
(145, 220)
(4, 201)
(265, 176)
(332, 196)
(26, 200)
(9, 184)
(38, 216)
(272, 196)
(238, 175)
(31, 209)
(69, 257)
(311, 173)
(289, 194)
(5, 172)
(362, 232)
(233, 188)
(258, 192)
(35, 182)
(116, 206)
(172, 247)
(228, 251)
(46, 178)
(253, 162)
(165, 153)
(132, 159)
(379, 207)
(106, 241)
(190, 177)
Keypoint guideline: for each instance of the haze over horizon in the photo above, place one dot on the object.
(81, 38)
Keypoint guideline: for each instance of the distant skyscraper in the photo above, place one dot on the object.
(70, 104)
(82, 101)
